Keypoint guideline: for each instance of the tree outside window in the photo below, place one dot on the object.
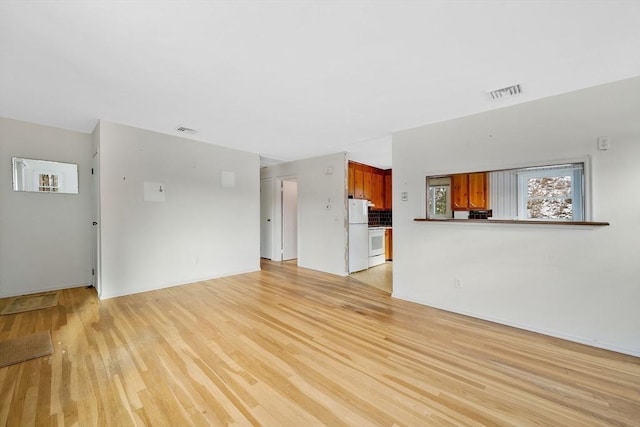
(551, 193)
(439, 197)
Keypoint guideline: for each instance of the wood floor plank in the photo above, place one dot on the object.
(289, 346)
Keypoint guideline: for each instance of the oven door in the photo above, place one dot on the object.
(376, 241)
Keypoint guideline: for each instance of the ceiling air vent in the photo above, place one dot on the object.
(183, 129)
(505, 92)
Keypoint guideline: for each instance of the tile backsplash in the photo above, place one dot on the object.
(379, 218)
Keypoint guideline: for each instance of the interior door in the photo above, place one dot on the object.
(95, 262)
(266, 216)
(289, 220)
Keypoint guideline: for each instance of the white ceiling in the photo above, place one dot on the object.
(297, 79)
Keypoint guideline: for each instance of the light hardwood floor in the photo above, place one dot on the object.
(380, 276)
(288, 346)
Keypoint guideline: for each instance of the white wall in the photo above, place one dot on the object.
(202, 229)
(582, 284)
(322, 234)
(44, 237)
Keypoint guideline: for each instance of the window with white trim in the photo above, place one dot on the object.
(439, 198)
(48, 182)
(553, 193)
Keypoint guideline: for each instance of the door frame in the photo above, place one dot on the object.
(276, 236)
(284, 226)
(96, 235)
(267, 182)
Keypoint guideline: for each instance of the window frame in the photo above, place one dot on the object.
(444, 182)
(578, 195)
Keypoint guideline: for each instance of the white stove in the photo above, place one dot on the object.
(376, 246)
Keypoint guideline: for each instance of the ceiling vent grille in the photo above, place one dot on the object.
(183, 129)
(505, 92)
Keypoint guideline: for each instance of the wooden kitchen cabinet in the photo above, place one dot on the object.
(368, 187)
(369, 183)
(478, 193)
(377, 190)
(351, 184)
(358, 182)
(388, 244)
(460, 192)
(469, 191)
(388, 195)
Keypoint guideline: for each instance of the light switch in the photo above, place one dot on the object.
(405, 196)
(604, 143)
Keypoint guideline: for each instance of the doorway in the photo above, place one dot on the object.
(266, 214)
(289, 219)
(279, 218)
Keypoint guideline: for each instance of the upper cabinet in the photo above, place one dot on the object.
(369, 183)
(388, 194)
(351, 188)
(358, 182)
(478, 191)
(469, 191)
(460, 191)
(377, 190)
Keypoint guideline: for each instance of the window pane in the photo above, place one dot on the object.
(441, 200)
(550, 186)
(549, 197)
(48, 183)
(550, 209)
(438, 200)
(431, 197)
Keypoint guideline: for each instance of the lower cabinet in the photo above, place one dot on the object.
(388, 244)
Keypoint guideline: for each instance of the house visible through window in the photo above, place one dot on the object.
(551, 193)
(48, 183)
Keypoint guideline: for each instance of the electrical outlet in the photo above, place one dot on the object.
(457, 283)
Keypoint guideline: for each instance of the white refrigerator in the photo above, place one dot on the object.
(358, 235)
